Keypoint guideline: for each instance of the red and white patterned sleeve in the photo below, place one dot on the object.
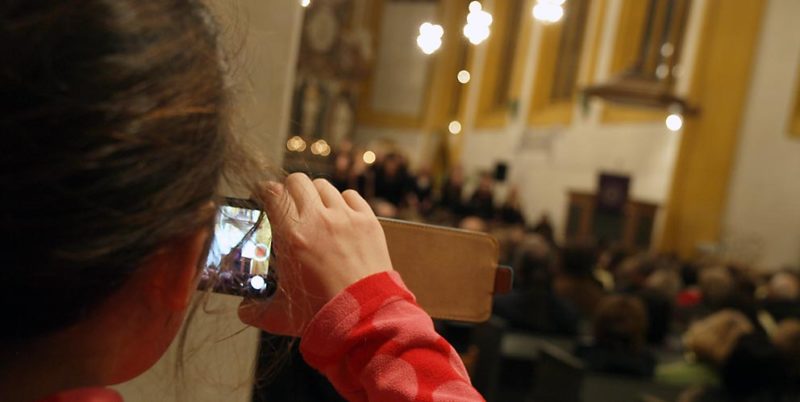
(374, 343)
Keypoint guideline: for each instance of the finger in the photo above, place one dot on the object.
(356, 201)
(303, 192)
(330, 196)
(279, 205)
(274, 315)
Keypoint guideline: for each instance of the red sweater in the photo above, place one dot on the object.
(374, 343)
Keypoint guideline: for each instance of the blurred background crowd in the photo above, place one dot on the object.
(701, 329)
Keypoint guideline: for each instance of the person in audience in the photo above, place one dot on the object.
(755, 371)
(481, 203)
(341, 177)
(786, 339)
(717, 289)
(423, 191)
(511, 210)
(782, 299)
(658, 294)
(544, 228)
(117, 115)
(473, 223)
(574, 282)
(453, 191)
(509, 239)
(690, 296)
(362, 177)
(392, 182)
(618, 345)
(608, 262)
(707, 343)
(532, 305)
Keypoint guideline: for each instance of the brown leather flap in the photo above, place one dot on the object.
(452, 272)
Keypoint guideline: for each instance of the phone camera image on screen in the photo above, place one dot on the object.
(238, 259)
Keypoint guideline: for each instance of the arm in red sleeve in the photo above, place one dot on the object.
(374, 343)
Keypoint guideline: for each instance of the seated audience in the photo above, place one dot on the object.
(341, 176)
(453, 191)
(392, 182)
(544, 228)
(423, 192)
(481, 203)
(618, 345)
(532, 305)
(574, 282)
(473, 223)
(786, 339)
(707, 343)
(511, 210)
(782, 299)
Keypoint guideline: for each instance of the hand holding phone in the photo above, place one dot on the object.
(324, 242)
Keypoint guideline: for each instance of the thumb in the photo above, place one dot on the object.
(277, 315)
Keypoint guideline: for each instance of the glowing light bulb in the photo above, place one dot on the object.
(674, 122)
(478, 21)
(464, 76)
(369, 157)
(305, 3)
(320, 147)
(662, 71)
(548, 11)
(454, 127)
(429, 39)
(296, 144)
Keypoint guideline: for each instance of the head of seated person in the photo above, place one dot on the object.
(784, 286)
(578, 259)
(717, 286)
(473, 223)
(618, 345)
(712, 339)
(533, 263)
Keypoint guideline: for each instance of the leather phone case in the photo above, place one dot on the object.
(453, 273)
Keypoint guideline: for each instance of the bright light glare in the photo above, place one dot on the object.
(662, 71)
(296, 144)
(430, 37)
(258, 283)
(464, 76)
(369, 157)
(320, 147)
(305, 3)
(674, 122)
(478, 22)
(454, 127)
(548, 12)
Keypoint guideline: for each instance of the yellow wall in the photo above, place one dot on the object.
(719, 88)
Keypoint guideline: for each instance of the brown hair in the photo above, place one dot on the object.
(113, 119)
(620, 322)
(712, 339)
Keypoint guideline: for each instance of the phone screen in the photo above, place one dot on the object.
(239, 255)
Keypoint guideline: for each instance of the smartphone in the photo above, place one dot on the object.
(238, 261)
